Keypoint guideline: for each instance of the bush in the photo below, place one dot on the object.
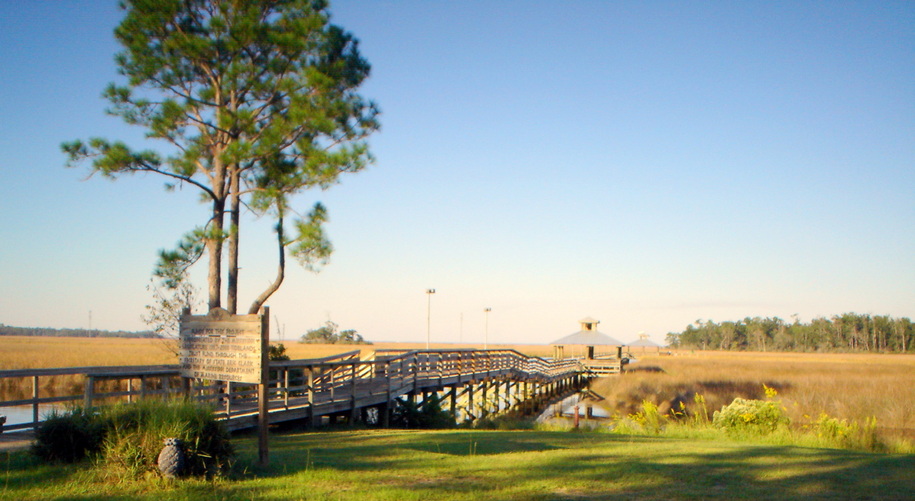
(428, 414)
(848, 435)
(68, 436)
(755, 417)
(649, 419)
(136, 433)
(128, 437)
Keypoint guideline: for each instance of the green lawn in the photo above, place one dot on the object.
(539, 465)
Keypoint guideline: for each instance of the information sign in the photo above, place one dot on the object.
(222, 347)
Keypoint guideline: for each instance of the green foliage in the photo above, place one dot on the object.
(127, 438)
(504, 422)
(753, 417)
(69, 436)
(277, 352)
(255, 102)
(425, 415)
(328, 334)
(843, 434)
(649, 418)
(135, 434)
(849, 332)
(449, 465)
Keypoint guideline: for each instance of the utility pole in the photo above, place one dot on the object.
(429, 293)
(486, 328)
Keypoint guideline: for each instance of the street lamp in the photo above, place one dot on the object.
(486, 328)
(429, 293)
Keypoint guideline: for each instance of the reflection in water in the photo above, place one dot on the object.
(587, 409)
(20, 414)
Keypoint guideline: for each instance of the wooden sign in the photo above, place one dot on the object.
(222, 347)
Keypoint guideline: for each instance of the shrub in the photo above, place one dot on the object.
(428, 414)
(128, 437)
(68, 436)
(649, 419)
(848, 435)
(756, 417)
(503, 422)
(136, 432)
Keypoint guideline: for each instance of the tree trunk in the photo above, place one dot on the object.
(256, 305)
(214, 250)
(234, 215)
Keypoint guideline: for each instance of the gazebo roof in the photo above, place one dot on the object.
(588, 338)
(644, 342)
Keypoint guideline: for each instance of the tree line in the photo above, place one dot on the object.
(8, 330)
(849, 332)
(329, 333)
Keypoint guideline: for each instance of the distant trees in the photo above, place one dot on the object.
(849, 332)
(328, 334)
(8, 330)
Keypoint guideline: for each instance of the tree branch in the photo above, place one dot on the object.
(256, 305)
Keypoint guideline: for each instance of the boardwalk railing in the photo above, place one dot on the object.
(309, 389)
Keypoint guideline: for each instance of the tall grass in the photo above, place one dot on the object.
(126, 439)
(874, 395)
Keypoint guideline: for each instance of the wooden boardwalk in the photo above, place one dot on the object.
(469, 383)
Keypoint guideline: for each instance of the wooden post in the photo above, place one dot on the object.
(470, 410)
(90, 389)
(228, 399)
(313, 418)
(34, 399)
(354, 414)
(286, 387)
(263, 420)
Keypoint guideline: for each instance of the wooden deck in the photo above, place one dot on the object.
(470, 384)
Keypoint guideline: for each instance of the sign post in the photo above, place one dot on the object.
(263, 420)
(220, 346)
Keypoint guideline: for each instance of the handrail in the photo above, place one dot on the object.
(337, 375)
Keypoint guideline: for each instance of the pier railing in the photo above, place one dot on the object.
(332, 382)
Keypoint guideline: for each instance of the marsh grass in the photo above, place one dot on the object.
(36, 352)
(873, 394)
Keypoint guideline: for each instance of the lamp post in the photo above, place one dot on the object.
(486, 328)
(429, 293)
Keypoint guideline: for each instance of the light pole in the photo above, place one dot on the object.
(429, 293)
(486, 328)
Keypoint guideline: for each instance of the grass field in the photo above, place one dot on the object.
(494, 465)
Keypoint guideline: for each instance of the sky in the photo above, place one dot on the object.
(647, 164)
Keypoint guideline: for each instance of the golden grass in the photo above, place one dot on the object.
(846, 386)
(23, 352)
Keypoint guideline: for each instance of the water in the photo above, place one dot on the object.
(20, 414)
(566, 408)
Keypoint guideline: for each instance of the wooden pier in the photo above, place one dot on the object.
(469, 383)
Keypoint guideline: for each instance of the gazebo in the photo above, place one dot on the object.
(589, 337)
(644, 343)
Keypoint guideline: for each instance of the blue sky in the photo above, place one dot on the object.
(647, 164)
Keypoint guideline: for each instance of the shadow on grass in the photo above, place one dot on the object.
(535, 465)
(562, 465)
